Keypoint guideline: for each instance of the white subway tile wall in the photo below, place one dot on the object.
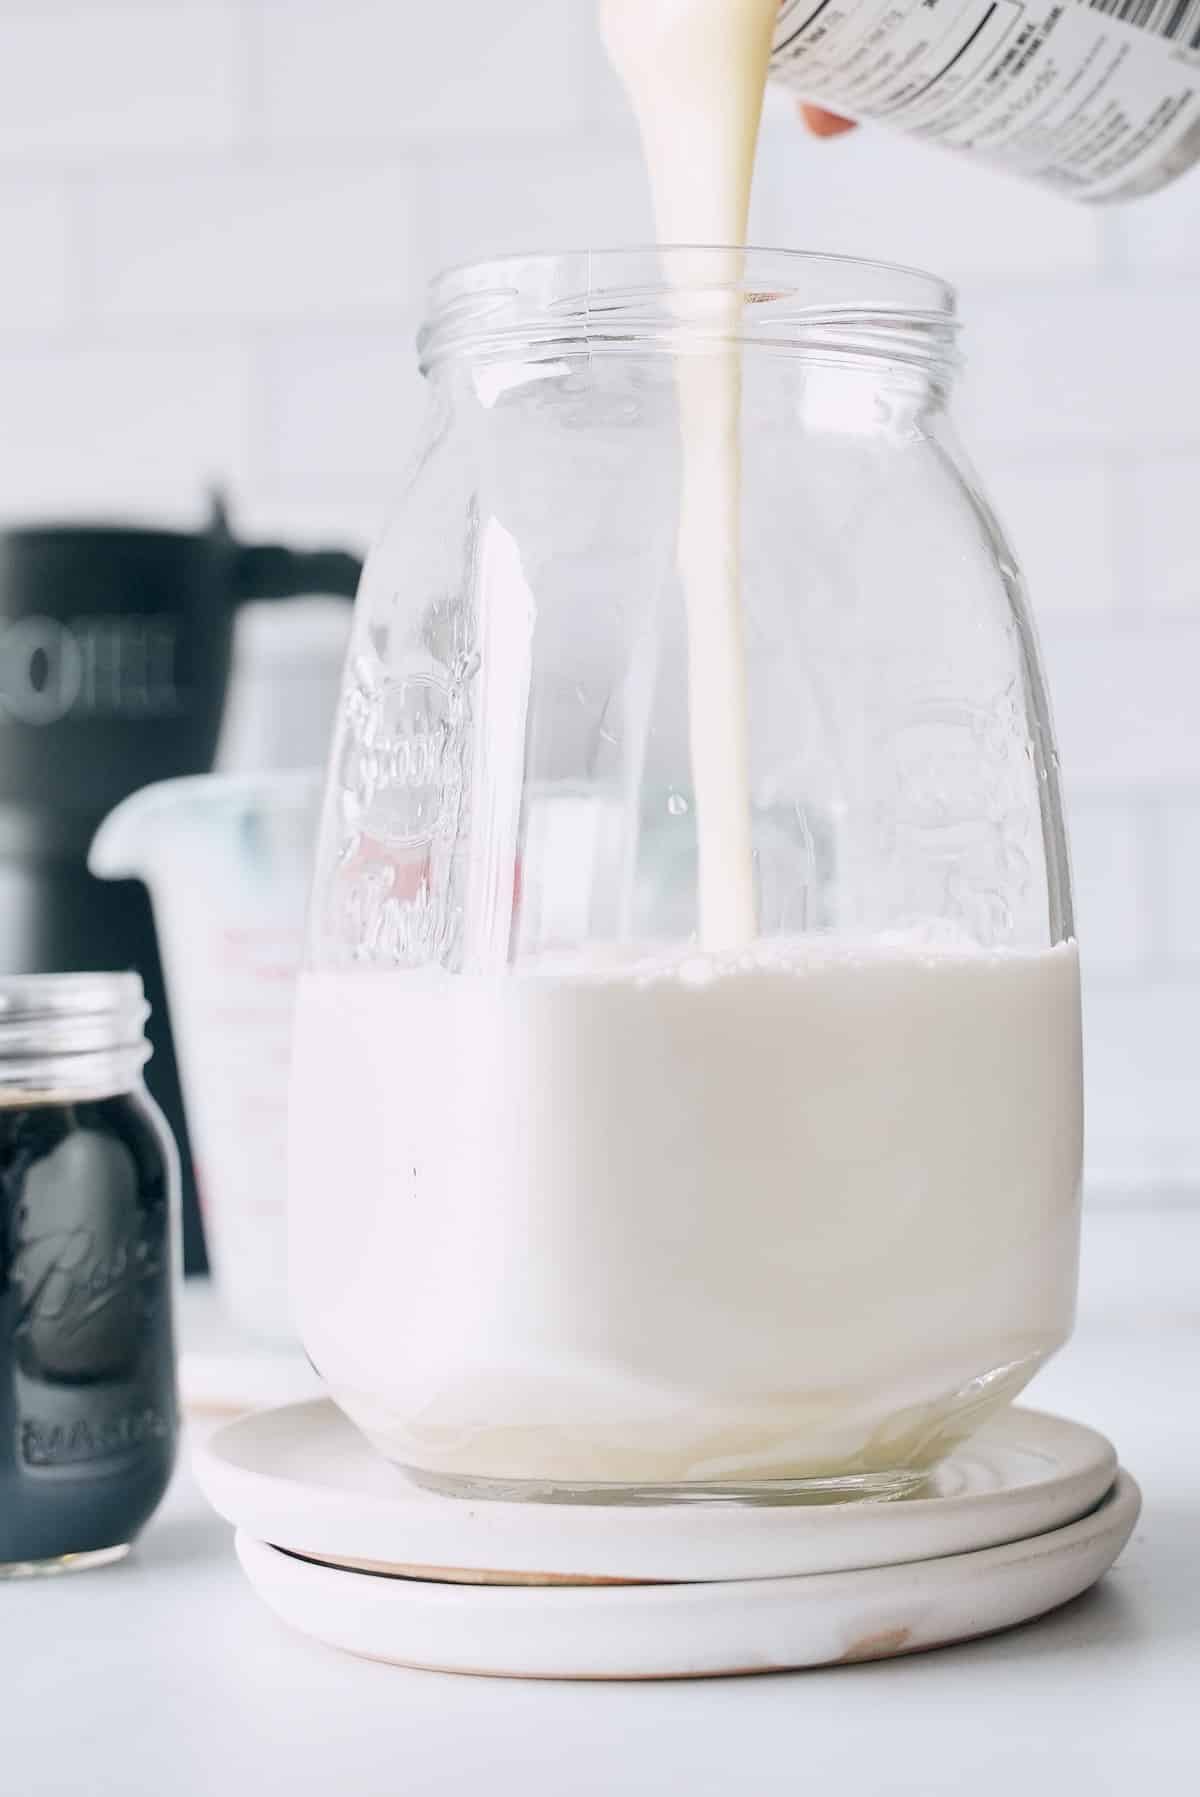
(487, 197)
(216, 220)
(89, 78)
(391, 71)
(1181, 881)
(35, 232)
(1063, 514)
(290, 237)
(97, 427)
(338, 408)
(1163, 525)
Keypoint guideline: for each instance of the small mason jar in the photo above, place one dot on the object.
(686, 1079)
(88, 1196)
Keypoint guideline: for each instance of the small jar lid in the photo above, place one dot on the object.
(72, 1029)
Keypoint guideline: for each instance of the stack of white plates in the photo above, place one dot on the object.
(1024, 1517)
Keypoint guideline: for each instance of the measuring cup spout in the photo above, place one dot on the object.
(123, 848)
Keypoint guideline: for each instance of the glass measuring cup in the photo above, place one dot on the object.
(226, 859)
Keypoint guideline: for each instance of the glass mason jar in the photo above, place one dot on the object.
(88, 1195)
(594, 1189)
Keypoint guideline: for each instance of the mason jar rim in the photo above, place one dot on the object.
(681, 297)
(64, 1034)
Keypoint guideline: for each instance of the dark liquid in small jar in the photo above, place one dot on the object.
(87, 1365)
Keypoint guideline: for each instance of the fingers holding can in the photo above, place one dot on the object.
(825, 124)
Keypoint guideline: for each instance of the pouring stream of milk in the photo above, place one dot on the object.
(695, 72)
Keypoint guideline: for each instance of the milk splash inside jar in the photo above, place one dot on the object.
(686, 1079)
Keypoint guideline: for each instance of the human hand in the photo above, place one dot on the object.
(825, 124)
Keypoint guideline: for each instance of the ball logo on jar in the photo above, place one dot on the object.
(68, 1276)
(77, 1271)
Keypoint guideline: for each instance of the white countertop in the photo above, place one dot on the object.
(166, 1676)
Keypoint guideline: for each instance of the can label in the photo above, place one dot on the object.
(1098, 98)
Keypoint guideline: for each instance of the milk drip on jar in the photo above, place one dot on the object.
(1099, 99)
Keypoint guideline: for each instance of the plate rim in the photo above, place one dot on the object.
(611, 1541)
(763, 1625)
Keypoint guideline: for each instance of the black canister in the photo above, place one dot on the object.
(115, 649)
(88, 1225)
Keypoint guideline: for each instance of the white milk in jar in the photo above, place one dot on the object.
(807, 1214)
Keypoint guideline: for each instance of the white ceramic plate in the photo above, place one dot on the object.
(304, 1478)
(691, 1631)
